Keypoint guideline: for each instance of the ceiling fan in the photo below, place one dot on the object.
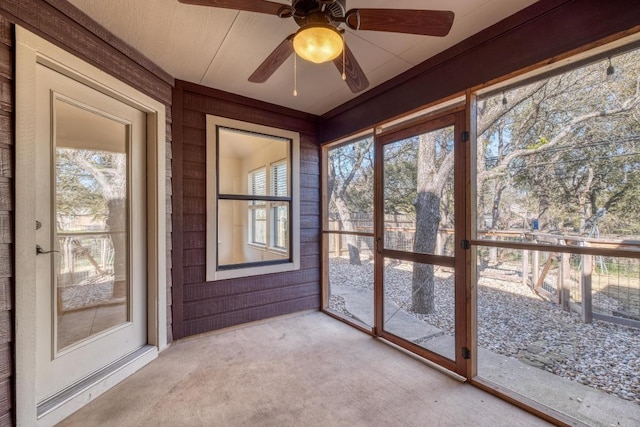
(320, 38)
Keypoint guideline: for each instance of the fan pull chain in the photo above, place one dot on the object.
(344, 59)
(295, 74)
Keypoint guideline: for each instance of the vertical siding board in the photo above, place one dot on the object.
(6, 61)
(6, 97)
(6, 221)
(177, 182)
(169, 201)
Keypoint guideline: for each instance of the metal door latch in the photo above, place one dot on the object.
(40, 251)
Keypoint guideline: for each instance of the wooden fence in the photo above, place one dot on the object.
(578, 282)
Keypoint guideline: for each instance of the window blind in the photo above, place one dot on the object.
(278, 178)
(258, 182)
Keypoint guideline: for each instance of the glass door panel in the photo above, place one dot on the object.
(421, 299)
(91, 216)
(348, 231)
(350, 278)
(419, 304)
(418, 193)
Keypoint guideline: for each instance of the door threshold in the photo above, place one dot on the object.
(64, 403)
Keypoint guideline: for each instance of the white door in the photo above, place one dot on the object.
(91, 214)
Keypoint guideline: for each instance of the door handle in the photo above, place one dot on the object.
(40, 251)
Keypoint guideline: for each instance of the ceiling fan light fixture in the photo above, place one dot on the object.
(318, 43)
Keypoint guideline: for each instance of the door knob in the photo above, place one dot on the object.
(40, 251)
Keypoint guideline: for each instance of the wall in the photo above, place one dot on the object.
(6, 214)
(546, 29)
(67, 27)
(201, 306)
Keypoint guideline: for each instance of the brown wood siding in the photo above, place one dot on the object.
(546, 29)
(201, 306)
(6, 217)
(169, 196)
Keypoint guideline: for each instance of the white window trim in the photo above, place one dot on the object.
(212, 273)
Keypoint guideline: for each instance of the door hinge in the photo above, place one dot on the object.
(465, 244)
(465, 136)
(466, 353)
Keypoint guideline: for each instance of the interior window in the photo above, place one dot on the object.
(252, 199)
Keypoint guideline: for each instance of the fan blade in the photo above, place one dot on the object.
(259, 6)
(423, 22)
(273, 61)
(356, 80)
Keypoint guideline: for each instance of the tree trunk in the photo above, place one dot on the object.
(430, 184)
(347, 225)
(427, 223)
(495, 217)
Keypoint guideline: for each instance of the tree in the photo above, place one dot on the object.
(350, 186)
(435, 168)
(96, 182)
(523, 134)
(557, 140)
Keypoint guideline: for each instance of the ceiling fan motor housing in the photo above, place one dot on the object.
(318, 11)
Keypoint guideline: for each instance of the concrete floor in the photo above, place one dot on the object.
(304, 370)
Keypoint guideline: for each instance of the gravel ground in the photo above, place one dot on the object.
(514, 321)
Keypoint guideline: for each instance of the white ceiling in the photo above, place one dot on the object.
(221, 48)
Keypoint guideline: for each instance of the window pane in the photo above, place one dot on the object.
(561, 156)
(418, 193)
(350, 186)
(258, 225)
(280, 227)
(533, 337)
(242, 233)
(92, 216)
(350, 276)
(419, 302)
(243, 160)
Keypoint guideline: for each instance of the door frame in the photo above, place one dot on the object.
(32, 50)
(451, 116)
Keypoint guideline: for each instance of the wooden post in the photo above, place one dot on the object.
(587, 303)
(493, 253)
(535, 267)
(545, 270)
(564, 291)
(525, 267)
